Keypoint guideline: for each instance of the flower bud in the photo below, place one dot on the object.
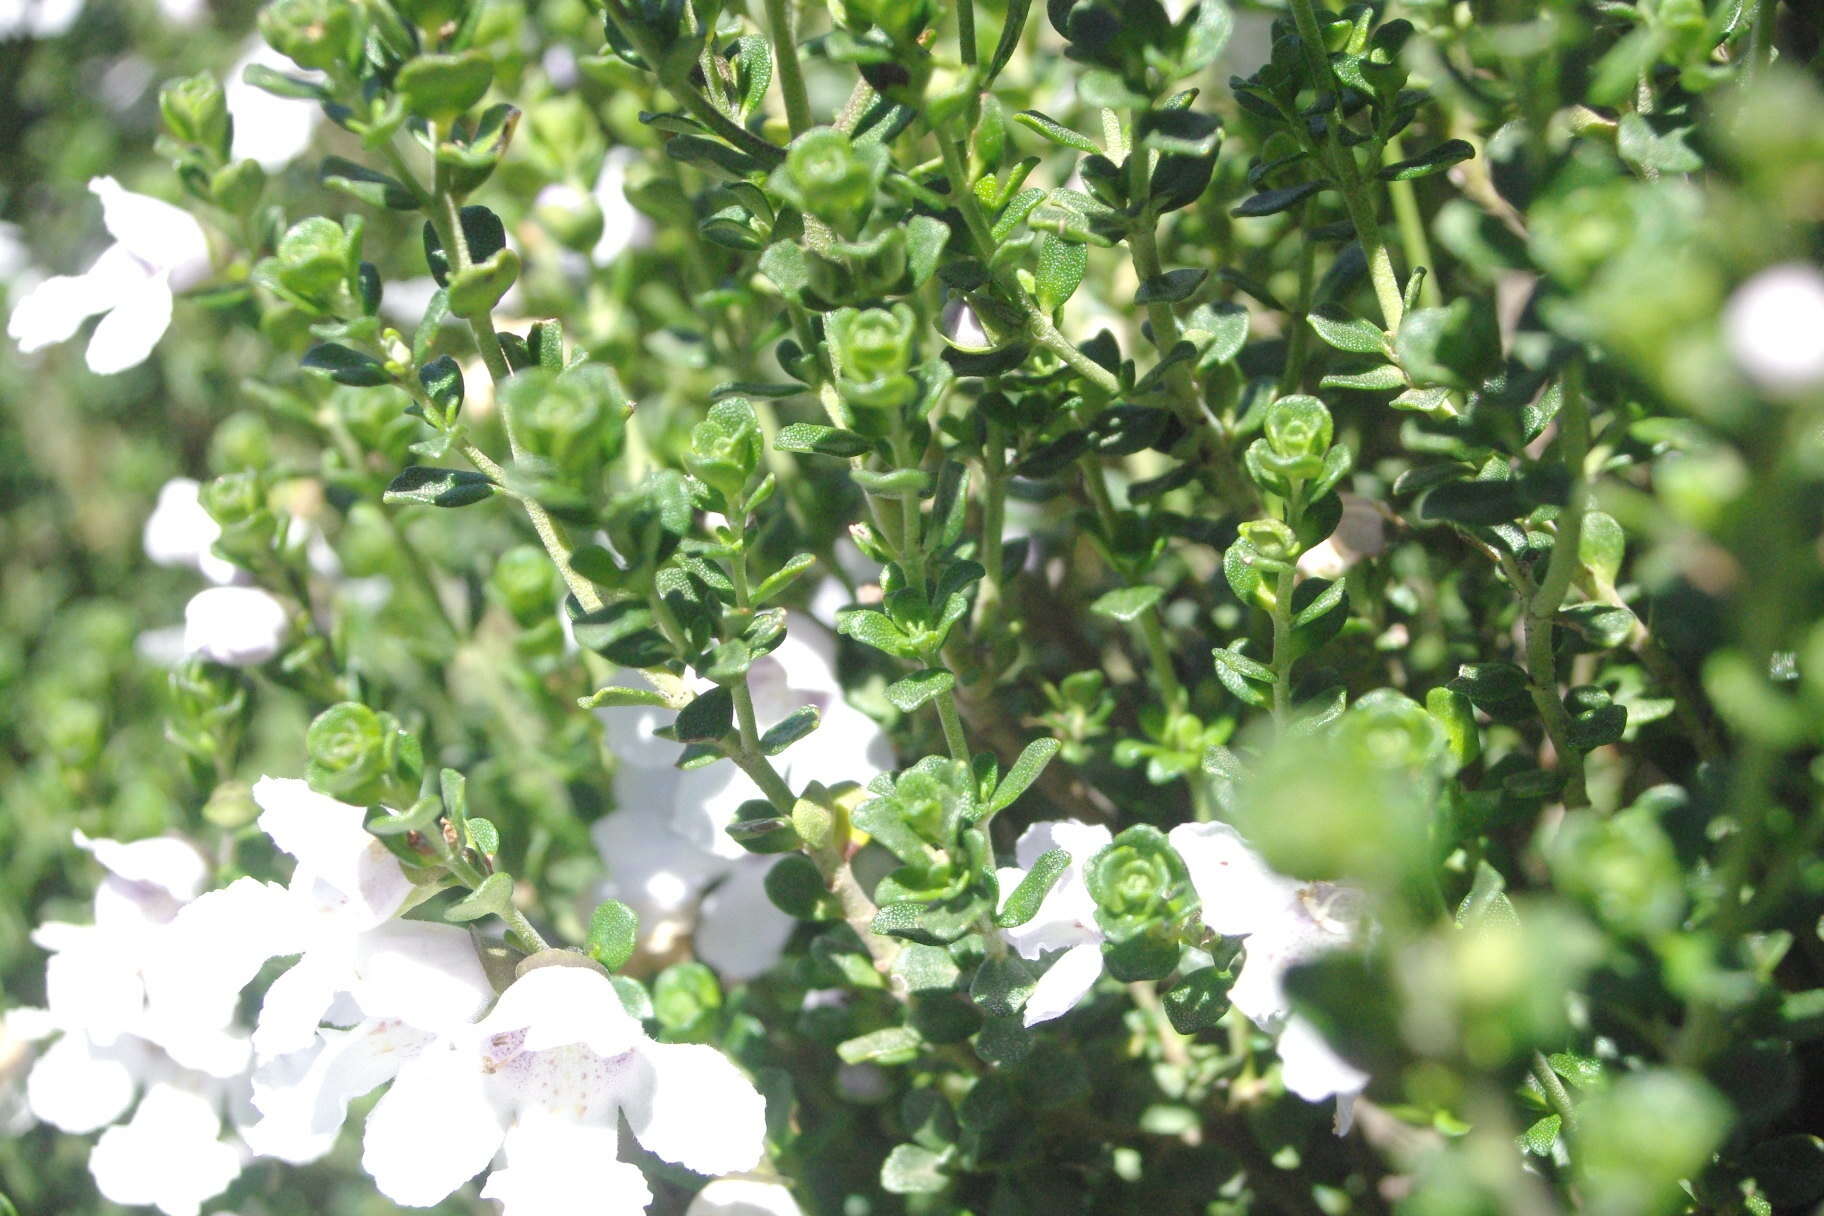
(873, 349)
(827, 175)
(1273, 545)
(525, 584)
(726, 448)
(196, 111)
(313, 33)
(347, 744)
(1299, 431)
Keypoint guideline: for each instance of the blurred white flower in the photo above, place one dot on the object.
(37, 18)
(158, 249)
(234, 626)
(1774, 325)
(846, 746)
(546, 1076)
(1360, 533)
(169, 1155)
(682, 891)
(270, 129)
(15, 1059)
(1285, 923)
(1064, 928)
(743, 1197)
(117, 1031)
(179, 532)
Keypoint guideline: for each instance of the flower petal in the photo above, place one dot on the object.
(560, 1006)
(162, 236)
(55, 309)
(433, 1130)
(296, 1004)
(690, 1105)
(77, 1087)
(743, 1197)
(330, 843)
(556, 1167)
(130, 330)
(169, 1155)
(303, 1097)
(234, 626)
(739, 930)
(1064, 983)
(172, 865)
(425, 975)
(1313, 1070)
(1238, 892)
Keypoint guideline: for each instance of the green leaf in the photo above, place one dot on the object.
(437, 487)
(616, 696)
(1022, 903)
(911, 1170)
(1356, 335)
(1244, 677)
(814, 438)
(789, 729)
(707, 718)
(374, 188)
(613, 934)
(919, 687)
(492, 898)
(1127, 603)
(346, 366)
(1057, 132)
(1647, 151)
(1060, 270)
(1440, 158)
(482, 835)
(1001, 985)
(1375, 380)
(890, 1045)
(775, 583)
(1541, 1136)
(1327, 599)
(444, 86)
(894, 483)
(1272, 202)
(872, 628)
(1198, 1001)
(1033, 759)
(1012, 25)
(1170, 287)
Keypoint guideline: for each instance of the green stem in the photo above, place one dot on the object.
(1298, 342)
(1341, 162)
(700, 107)
(1159, 656)
(1555, 1093)
(1282, 645)
(953, 725)
(1760, 37)
(1543, 603)
(994, 523)
(791, 73)
(1413, 241)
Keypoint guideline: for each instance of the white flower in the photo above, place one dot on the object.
(624, 226)
(1286, 923)
(546, 1076)
(159, 249)
(268, 128)
(1065, 924)
(37, 18)
(963, 329)
(743, 1197)
(234, 626)
(1774, 326)
(398, 984)
(179, 532)
(117, 1030)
